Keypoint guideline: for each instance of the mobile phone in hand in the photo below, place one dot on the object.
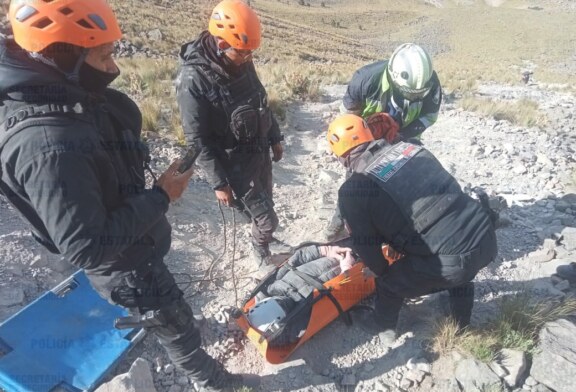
(189, 158)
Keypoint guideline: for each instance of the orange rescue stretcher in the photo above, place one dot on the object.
(329, 301)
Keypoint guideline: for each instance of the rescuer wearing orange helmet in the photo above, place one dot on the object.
(400, 195)
(225, 112)
(65, 167)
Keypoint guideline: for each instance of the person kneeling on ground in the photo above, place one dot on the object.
(402, 196)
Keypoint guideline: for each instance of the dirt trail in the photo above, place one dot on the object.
(525, 166)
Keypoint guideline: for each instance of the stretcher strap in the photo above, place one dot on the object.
(312, 281)
(272, 275)
(323, 291)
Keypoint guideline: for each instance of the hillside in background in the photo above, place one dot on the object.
(470, 40)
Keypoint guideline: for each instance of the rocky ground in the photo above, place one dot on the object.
(530, 168)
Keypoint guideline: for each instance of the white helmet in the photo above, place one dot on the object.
(265, 313)
(410, 71)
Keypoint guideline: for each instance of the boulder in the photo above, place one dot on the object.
(515, 364)
(476, 376)
(137, 379)
(555, 361)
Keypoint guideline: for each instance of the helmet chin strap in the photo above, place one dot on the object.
(74, 75)
(399, 107)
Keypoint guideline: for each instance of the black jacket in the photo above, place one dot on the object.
(205, 110)
(374, 218)
(78, 179)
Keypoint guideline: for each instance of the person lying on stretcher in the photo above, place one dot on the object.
(292, 287)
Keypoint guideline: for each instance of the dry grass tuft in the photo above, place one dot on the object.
(523, 112)
(519, 320)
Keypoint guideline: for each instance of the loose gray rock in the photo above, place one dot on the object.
(446, 386)
(415, 375)
(420, 364)
(406, 383)
(475, 376)
(569, 238)
(498, 369)
(515, 364)
(169, 368)
(555, 363)
(137, 379)
(155, 35)
(540, 388)
(542, 255)
(530, 382)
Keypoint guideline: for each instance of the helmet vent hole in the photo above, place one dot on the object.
(48, 1)
(245, 39)
(404, 75)
(43, 23)
(220, 26)
(237, 37)
(66, 11)
(335, 138)
(25, 12)
(85, 24)
(98, 21)
(231, 26)
(350, 128)
(216, 17)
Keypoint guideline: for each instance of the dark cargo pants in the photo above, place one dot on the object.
(255, 191)
(153, 288)
(414, 276)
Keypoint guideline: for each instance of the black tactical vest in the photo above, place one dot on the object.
(423, 192)
(245, 102)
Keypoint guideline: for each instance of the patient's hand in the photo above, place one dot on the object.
(347, 262)
(334, 252)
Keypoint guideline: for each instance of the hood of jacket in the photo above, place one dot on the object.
(202, 52)
(32, 80)
(197, 51)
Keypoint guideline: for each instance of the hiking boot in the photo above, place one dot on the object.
(277, 246)
(365, 319)
(233, 382)
(263, 272)
(567, 272)
(335, 228)
(261, 254)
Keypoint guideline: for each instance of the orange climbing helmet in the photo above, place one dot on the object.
(85, 23)
(347, 132)
(237, 24)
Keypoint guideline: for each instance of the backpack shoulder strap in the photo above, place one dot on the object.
(30, 115)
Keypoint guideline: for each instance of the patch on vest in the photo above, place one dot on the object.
(391, 161)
